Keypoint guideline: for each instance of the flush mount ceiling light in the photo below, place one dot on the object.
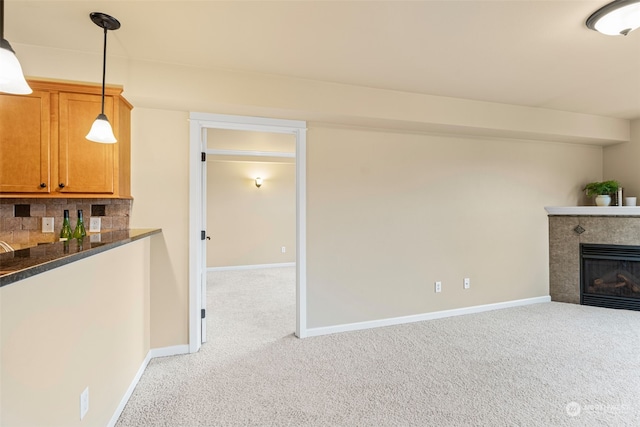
(101, 130)
(11, 76)
(619, 17)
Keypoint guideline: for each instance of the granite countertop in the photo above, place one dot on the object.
(23, 263)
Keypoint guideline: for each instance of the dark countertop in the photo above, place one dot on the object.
(23, 263)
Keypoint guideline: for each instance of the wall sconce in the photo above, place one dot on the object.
(11, 76)
(101, 129)
(619, 17)
(258, 182)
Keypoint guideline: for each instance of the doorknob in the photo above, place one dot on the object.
(208, 238)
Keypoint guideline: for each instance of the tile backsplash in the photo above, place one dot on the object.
(22, 231)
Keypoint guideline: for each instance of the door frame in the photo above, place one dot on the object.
(198, 123)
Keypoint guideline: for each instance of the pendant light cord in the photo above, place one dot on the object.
(2, 19)
(104, 65)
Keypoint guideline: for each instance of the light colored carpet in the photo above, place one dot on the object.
(548, 364)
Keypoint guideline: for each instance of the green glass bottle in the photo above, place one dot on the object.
(79, 231)
(65, 233)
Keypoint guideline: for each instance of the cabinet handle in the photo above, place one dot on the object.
(43, 185)
(61, 185)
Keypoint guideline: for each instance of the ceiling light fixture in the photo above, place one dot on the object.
(11, 76)
(101, 130)
(619, 17)
(258, 182)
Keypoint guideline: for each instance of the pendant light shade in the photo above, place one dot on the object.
(11, 76)
(101, 130)
(619, 17)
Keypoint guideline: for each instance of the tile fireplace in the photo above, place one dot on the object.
(594, 256)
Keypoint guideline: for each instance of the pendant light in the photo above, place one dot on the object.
(11, 76)
(101, 130)
(619, 17)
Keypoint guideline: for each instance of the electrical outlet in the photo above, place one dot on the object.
(467, 283)
(438, 286)
(284, 249)
(47, 225)
(94, 224)
(84, 403)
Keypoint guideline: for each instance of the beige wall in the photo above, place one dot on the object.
(527, 175)
(247, 225)
(160, 187)
(82, 324)
(250, 225)
(621, 162)
(390, 213)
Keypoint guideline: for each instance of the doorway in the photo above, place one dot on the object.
(200, 125)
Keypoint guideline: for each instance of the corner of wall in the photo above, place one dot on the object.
(620, 161)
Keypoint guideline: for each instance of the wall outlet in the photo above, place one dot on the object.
(438, 286)
(47, 225)
(284, 249)
(84, 403)
(467, 283)
(94, 224)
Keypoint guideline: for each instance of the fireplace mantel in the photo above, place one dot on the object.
(593, 210)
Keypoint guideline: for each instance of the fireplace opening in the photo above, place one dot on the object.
(610, 276)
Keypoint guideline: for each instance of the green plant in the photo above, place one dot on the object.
(601, 188)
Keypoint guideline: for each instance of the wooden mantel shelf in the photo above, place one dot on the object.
(593, 210)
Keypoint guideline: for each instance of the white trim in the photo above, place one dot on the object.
(593, 210)
(151, 354)
(169, 351)
(200, 121)
(247, 153)
(348, 327)
(301, 232)
(252, 267)
(258, 124)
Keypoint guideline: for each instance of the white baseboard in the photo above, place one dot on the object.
(153, 353)
(169, 351)
(252, 267)
(314, 332)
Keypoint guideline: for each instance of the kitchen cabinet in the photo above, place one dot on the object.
(43, 149)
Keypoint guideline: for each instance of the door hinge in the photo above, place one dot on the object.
(203, 313)
(203, 156)
(203, 235)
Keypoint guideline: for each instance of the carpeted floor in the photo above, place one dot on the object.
(548, 364)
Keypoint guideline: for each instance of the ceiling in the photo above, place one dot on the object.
(533, 53)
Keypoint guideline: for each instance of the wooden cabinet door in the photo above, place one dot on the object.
(84, 166)
(25, 143)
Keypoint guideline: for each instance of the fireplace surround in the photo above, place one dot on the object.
(571, 227)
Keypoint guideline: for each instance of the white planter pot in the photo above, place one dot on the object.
(603, 200)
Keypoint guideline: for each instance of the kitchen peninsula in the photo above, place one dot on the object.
(74, 316)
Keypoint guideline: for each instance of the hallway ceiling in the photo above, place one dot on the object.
(535, 53)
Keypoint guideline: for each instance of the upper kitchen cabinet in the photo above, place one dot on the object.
(43, 149)
(25, 142)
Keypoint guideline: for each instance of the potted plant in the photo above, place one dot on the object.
(602, 191)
